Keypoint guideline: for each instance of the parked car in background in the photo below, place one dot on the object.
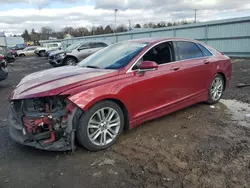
(75, 53)
(14, 52)
(41, 51)
(3, 68)
(28, 51)
(8, 54)
(116, 88)
(62, 48)
(19, 47)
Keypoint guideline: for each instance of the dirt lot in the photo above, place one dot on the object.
(201, 146)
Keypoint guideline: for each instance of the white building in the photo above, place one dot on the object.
(10, 41)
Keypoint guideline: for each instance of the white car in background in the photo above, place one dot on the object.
(41, 51)
(28, 51)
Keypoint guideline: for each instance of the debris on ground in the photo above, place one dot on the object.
(240, 85)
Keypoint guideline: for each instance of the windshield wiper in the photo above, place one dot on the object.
(93, 67)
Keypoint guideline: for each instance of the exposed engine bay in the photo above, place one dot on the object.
(45, 123)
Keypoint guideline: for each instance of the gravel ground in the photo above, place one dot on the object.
(200, 146)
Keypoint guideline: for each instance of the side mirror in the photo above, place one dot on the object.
(83, 48)
(148, 66)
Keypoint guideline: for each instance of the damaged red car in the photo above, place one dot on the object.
(117, 88)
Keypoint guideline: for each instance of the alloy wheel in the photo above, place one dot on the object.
(103, 126)
(71, 62)
(217, 88)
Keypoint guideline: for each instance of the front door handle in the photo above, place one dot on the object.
(175, 68)
(206, 62)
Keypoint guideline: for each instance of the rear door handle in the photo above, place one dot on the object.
(206, 62)
(175, 68)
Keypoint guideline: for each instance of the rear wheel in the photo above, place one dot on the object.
(42, 53)
(21, 55)
(100, 126)
(216, 89)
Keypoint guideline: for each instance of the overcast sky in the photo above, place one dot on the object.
(16, 16)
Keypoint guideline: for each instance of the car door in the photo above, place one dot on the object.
(197, 67)
(154, 90)
(83, 51)
(30, 51)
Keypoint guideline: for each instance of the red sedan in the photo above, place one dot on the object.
(117, 88)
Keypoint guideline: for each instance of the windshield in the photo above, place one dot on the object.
(72, 47)
(115, 56)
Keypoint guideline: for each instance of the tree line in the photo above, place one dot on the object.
(47, 32)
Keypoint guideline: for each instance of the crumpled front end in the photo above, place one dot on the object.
(47, 123)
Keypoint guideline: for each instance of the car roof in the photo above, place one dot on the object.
(155, 40)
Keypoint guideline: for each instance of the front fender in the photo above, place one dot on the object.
(86, 99)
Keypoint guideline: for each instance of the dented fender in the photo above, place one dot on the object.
(86, 99)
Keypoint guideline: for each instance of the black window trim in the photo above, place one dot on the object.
(175, 52)
(197, 44)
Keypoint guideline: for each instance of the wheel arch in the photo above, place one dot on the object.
(71, 56)
(224, 79)
(121, 104)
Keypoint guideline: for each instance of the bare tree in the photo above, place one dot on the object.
(46, 32)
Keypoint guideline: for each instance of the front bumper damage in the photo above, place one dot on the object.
(45, 128)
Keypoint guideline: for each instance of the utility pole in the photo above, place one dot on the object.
(116, 10)
(93, 28)
(129, 25)
(195, 14)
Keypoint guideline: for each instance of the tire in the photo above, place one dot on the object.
(22, 55)
(84, 132)
(70, 61)
(212, 99)
(42, 53)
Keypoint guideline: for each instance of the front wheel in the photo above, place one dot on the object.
(216, 89)
(100, 126)
(70, 61)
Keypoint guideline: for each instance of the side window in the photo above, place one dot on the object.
(204, 50)
(97, 45)
(30, 49)
(84, 46)
(161, 54)
(54, 45)
(188, 50)
(102, 44)
(94, 45)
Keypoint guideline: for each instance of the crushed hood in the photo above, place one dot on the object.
(57, 80)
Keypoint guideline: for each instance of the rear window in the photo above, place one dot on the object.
(188, 50)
